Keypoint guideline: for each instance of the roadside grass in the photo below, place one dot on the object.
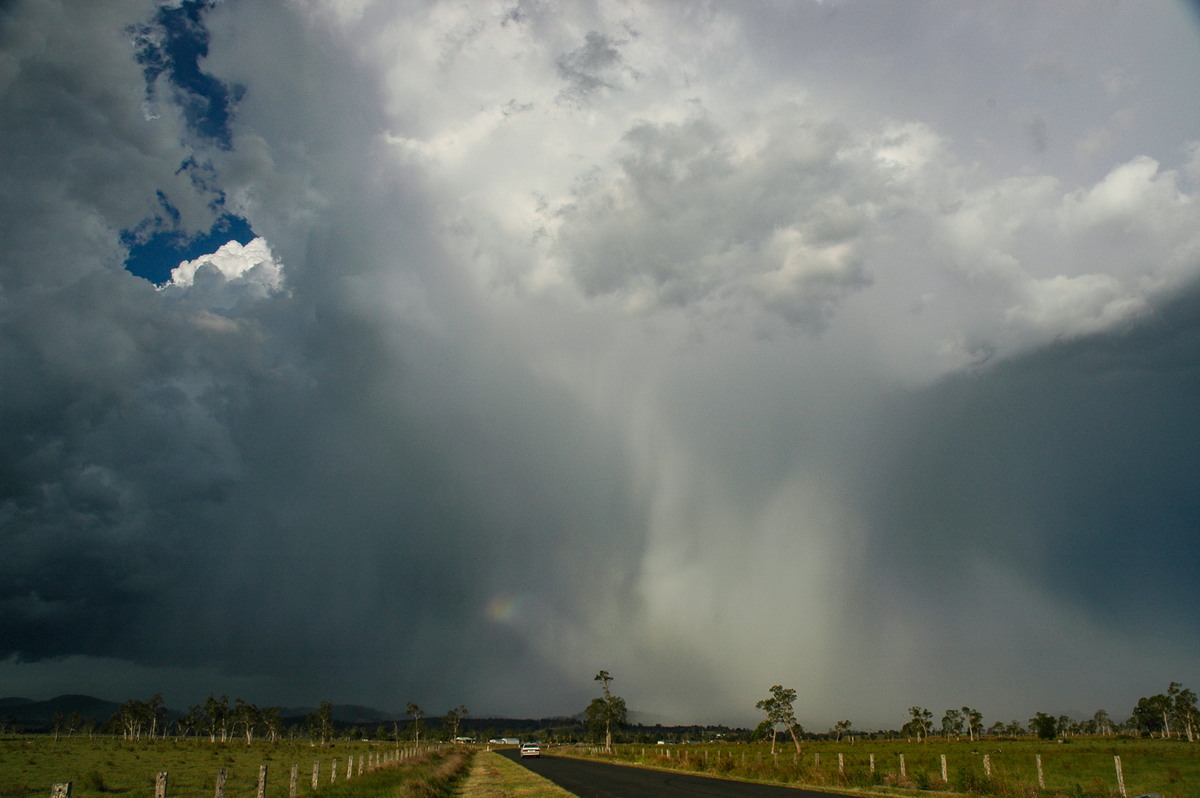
(434, 774)
(1080, 768)
(493, 776)
(103, 767)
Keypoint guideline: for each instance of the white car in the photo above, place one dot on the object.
(531, 749)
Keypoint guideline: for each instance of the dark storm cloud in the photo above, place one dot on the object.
(503, 394)
(1075, 465)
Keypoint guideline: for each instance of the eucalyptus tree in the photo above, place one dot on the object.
(272, 722)
(320, 723)
(246, 718)
(779, 711)
(952, 723)
(417, 713)
(1152, 714)
(919, 723)
(453, 720)
(216, 718)
(1183, 709)
(973, 719)
(606, 711)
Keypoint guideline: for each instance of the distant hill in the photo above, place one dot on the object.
(24, 714)
(348, 714)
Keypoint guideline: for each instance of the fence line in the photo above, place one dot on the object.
(368, 763)
(936, 766)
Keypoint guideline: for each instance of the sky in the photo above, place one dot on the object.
(378, 352)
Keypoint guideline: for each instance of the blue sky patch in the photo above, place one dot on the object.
(153, 256)
(173, 45)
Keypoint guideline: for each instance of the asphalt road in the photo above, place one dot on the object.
(601, 780)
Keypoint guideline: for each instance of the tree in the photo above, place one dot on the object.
(216, 718)
(454, 719)
(1150, 715)
(973, 720)
(156, 714)
(1183, 709)
(606, 711)
(246, 717)
(1043, 725)
(417, 713)
(320, 723)
(919, 723)
(1064, 726)
(132, 717)
(778, 709)
(74, 722)
(842, 727)
(272, 722)
(1104, 724)
(952, 723)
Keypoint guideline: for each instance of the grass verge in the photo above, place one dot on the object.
(493, 776)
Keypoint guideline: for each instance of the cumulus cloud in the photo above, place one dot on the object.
(597, 336)
(232, 272)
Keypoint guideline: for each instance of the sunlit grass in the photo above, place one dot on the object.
(108, 768)
(1079, 768)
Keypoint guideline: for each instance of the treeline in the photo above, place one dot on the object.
(222, 720)
(1170, 714)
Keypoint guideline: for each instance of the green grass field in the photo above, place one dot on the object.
(1081, 768)
(108, 768)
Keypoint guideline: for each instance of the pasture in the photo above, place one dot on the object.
(1079, 768)
(104, 767)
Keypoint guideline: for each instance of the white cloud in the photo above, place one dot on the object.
(235, 271)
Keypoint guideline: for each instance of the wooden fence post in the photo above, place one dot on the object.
(1120, 775)
(360, 764)
(61, 790)
(333, 772)
(220, 791)
(872, 758)
(316, 773)
(1041, 775)
(160, 785)
(987, 765)
(262, 781)
(903, 772)
(349, 767)
(292, 783)
(945, 773)
(841, 764)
